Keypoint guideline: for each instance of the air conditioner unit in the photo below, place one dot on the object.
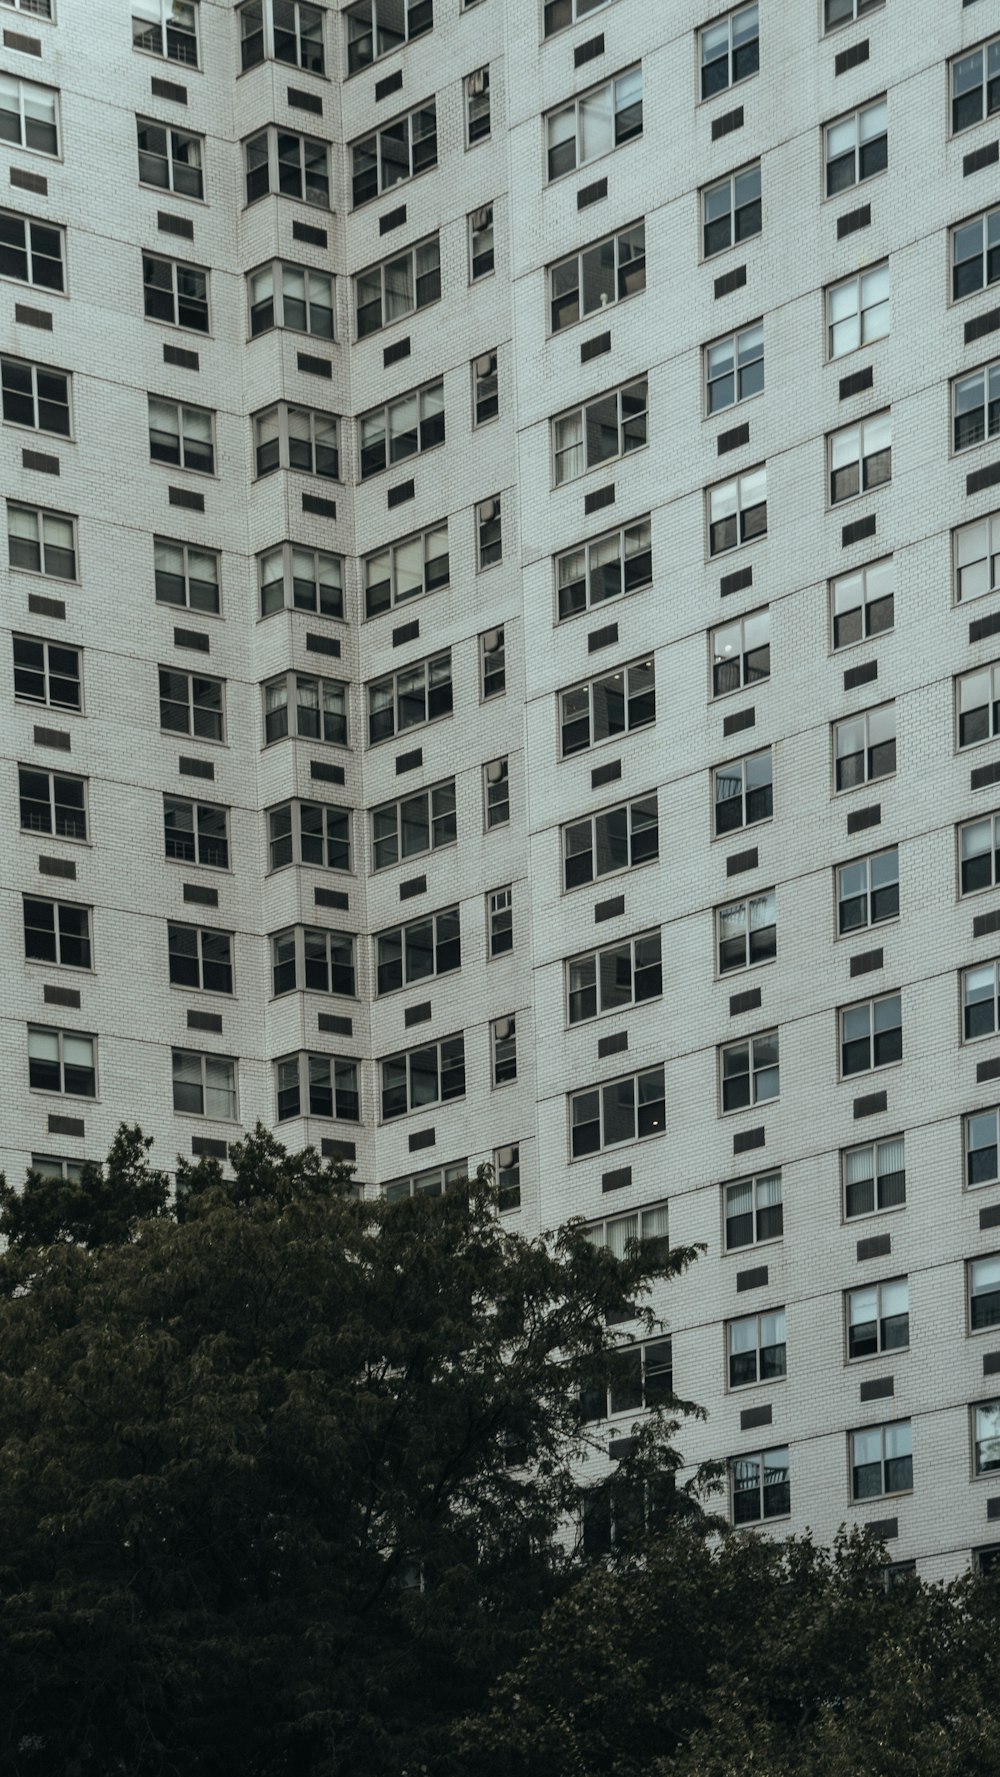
(482, 218)
(505, 1157)
(503, 1027)
(494, 772)
(488, 511)
(484, 364)
(477, 81)
(491, 641)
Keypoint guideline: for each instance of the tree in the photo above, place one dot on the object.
(282, 1472)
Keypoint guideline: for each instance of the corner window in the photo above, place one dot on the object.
(729, 50)
(871, 1035)
(291, 296)
(868, 891)
(594, 123)
(309, 833)
(298, 579)
(313, 959)
(281, 161)
(287, 30)
(857, 147)
(749, 1072)
(317, 1086)
(874, 1176)
(308, 708)
(731, 211)
(298, 438)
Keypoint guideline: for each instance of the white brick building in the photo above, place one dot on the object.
(348, 545)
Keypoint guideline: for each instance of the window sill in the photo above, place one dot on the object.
(620, 1147)
(585, 166)
(596, 314)
(733, 86)
(870, 784)
(607, 465)
(164, 192)
(866, 1074)
(756, 1109)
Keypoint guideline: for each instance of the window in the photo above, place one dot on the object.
(986, 1560)
(741, 653)
(976, 407)
(416, 824)
(191, 703)
(857, 147)
(984, 1293)
(376, 27)
(865, 747)
(868, 891)
(307, 707)
(734, 368)
(278, 160)
(292, 296)
(611, 426)
(975, 86)
(200, 956)
(979, 854)
(398, 287)
(881, 1460)
(312, 958)
(408, 699)
(749, 1071)
(57, 932)
(36, 396)
(166, 28)
(174, 292)
(618, 703)
(481, 243)
(737, 511)
(874, 1177)
(432, 1182)
(594, 123)
(641, 1375)
(619, 838)
(620, 1111)
(614, 977)
(288, 437)
(597, 276)
(607, 567)
(48, 674)
(841, 12)
(980, 1009)
(977, 557)
(986, 1436)
(434, 1074)
(878, 1318)
(29, 114)
(397, 151)
(196, 832)
(182, 436)
(170, 159)
(62, 1061)
(560, 13)
(500, 921)
(406, 569)
(496, 792)
(761, 1486)
(39, 9)
(747, 932)
(863, 603)
(871, 1035)
(186, 575)
(41, 542)
(507, 1172)
(52, 802)
(975, 254)
(857, 311)
(31, 252)
(317, 1086)
(52, 1165)
(489, 533)
(403, 428)
(204, 1085)
(309, 833)
(493, 663)
(730, 211)
(287, 30)
(743, 793)
(979, 705)
(860, 458)
(477, 106)
(301, 580)
(616, 1232)
(485, 388)
(756, 1348)
(418, 951)
(753, 1211)
(729, 51)
(981, 1148)
(503, 1047)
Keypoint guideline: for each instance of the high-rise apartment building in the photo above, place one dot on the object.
(503, 658)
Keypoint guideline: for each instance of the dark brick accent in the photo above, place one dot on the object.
(417, 1014)
(186, 497)
(390, 83)
(423, 1138)
(853, 57)
(989, 1218)
(879, 1389)
(40, 461)
(332, 898)
(882, 1529)
(979, 158)
(866, 962)
(322, 772)
(981, 627)
(178, 225)
(870, 1105)
(984, 923)
(317, 644)
(43, 607)
(991, 1364)
(392, 219)
(732, 439)
(29, 317)
(876, 1246)
(744, 1002)
(335, 1026)
(735, 582)
(409, 761)
(602, 638)
(613, 1045)
(65, 1125)
(205, 1021)
(860, 818)
(747, 1139)
(988, 1070)
(197, 896)
(400, 348)
(168, 89)
(739, 720)
(177, 355)
(605, 774)
(981, 325)
(406, 632)
(208, 1147)
(332, 1149)
(398, 496)
(61, 996)
(742, 860)
(754, 1279)
(62, 867)
(191, 638)
(983, 775)
(752, 1416)
(29, 181)
(609, 909)
(52, 737)
(601, 496)
(854, 219)
(304, 231)
(621, 1447)
(319, 507)
(981, 478)
(854, 384)
(596, 347)
(588, 51)
(300, 100)
(730, 280)
(311, 366)
(414, 885)
(195, 767)
(727, 123)
(854, 533)
(616, 1180)
(29, 46)
(860, 675)
(591, 194)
